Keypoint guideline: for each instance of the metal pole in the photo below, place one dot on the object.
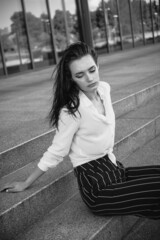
(144, 41)
(152, 21)
(65, 22)
(119, 23)
(53, 40)
(3, 58)
(106, 25)
(85, 21)
(130, 15)
(79, 15)
(28, 40)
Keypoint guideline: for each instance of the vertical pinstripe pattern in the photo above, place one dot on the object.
(114, 190)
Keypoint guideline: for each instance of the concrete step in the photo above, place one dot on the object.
(72, 220)
(21, 210)
(18, 156)
(144, 229)
(25, 99)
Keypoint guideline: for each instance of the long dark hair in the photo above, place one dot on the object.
(65, 90)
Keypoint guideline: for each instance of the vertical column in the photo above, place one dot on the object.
(130, 15)
(29, 45)
(152, 21)
(65, 21)
(85, 21)
(119, 23)
(144, 41)
(106, 25)
(52, 32)
(3, 59)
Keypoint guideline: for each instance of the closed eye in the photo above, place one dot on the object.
(79, 75)
(92, 69)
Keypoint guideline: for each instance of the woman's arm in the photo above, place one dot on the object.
(68, 125)
(21, 186)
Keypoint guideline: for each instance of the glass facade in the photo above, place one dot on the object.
(14, 44)
(105, 25)
(34, 33)
(39, 32)
(64, 23)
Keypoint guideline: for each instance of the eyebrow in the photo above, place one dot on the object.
(87, 69)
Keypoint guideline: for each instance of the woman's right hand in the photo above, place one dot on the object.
(14, 187)
(21, 186)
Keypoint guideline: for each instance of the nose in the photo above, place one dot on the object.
(89, 77)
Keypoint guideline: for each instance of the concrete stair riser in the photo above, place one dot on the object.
(73, 221)
(144, 229)
(137, 138)
(39, 200)
(116, 229)
(133, 101)
(36, 206)
(27, 152)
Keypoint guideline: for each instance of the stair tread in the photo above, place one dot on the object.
(126, 71)
(124, 126)
(134, 119)
(72, 220)
(27, 152)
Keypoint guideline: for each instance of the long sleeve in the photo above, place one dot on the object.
(68, 125)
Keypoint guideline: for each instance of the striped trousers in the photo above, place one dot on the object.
(110, 190)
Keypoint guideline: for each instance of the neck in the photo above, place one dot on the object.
(92, 95)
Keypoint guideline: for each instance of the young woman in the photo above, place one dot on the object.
(85, 127)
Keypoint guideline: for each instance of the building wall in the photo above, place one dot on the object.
(34, 33)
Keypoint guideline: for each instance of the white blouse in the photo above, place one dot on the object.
(86, 137)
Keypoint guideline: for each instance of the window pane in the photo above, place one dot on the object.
(156, 19)
(98, 25)
(104, 20)
(1, 66)
(147, 21)
(13, 36)
(125, 23)
(57, 16)
(39, 32)
(112, 21)
(72, 21)
(137, 22)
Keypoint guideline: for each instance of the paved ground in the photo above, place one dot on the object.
(25, 99)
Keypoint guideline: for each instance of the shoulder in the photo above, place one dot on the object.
(67, 118)
(104, 86)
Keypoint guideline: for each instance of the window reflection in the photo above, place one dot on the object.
(156, 19)
(125, 23)
(59, 28)
(112, 20)
(65, 23)
(105, 25)
(13, 36)
(137, 22)
(147, 22)
(39, 32)
(1, 66)
(72, 21)
(98, 25)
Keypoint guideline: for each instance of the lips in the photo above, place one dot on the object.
(92, 84)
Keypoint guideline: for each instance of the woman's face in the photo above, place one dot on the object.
(85, 73)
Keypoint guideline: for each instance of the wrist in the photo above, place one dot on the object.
(26, 184)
